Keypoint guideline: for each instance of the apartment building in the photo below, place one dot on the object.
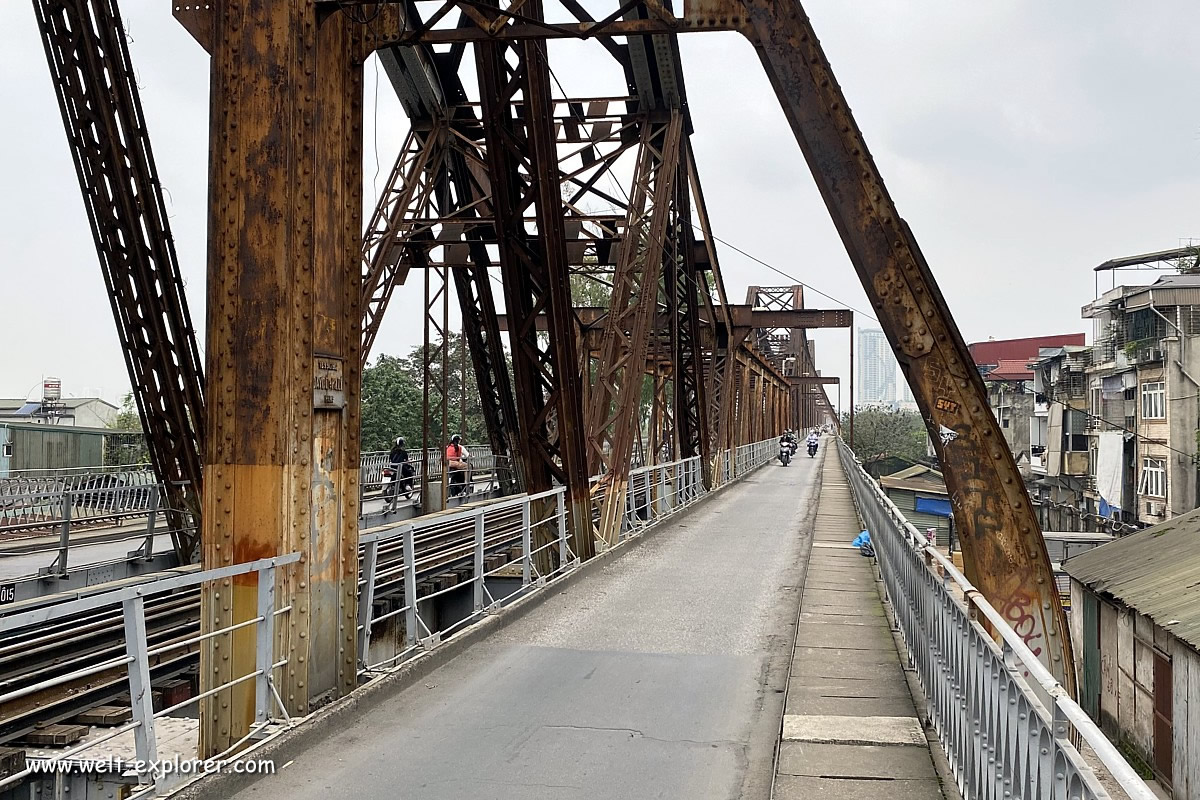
(1143, 387)
(1060, 456)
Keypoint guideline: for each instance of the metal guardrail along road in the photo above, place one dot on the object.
(53, 656)
(1006, 724)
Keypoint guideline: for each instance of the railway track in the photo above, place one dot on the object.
(30, 657)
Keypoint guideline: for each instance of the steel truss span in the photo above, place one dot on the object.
(502, 180)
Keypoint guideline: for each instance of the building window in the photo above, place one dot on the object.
(1154, 400)
(6, 452)
(1154, 477)
(1075, 438)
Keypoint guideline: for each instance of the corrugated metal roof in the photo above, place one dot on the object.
(1156, 571)
(914, 471)
(1024, 350)
(1169, 290)
(917, 478)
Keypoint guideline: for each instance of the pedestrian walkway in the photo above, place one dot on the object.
(660, 674)
(849, 728)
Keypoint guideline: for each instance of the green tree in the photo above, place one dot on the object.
(391, 403)
(880, 433)
(127, 445)
(591, 290)
(392, 397)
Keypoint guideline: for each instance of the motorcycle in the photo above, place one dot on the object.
(812, 449)
(392, 480)
(786, 451)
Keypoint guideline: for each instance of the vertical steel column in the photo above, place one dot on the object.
(284, 340)
(435, 369)
(852, 385)
(518, 123)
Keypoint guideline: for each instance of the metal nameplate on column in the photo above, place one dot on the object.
(329, 385)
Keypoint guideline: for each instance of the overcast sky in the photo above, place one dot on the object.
(1025, 142)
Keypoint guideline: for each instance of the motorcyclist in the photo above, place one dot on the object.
(813, 439)
(456, 463)
(398, 461)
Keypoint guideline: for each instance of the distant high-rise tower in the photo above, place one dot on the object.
(876, 368)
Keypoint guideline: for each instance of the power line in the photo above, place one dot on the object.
(773, 268)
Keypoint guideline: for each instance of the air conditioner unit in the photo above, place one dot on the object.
(1156, 509)
(1149, 355)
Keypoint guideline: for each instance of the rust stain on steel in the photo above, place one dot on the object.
(284, 286)
(1003, 550)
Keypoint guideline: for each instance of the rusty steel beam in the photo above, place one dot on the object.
(101, 109)
(744, 318)
(617, 386)
(523, 171)
(1003, 551)
(284, 341)
(683, 290)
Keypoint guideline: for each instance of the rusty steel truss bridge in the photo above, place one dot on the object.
(505, 194)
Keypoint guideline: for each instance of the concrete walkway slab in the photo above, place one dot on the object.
(820, 760)
(850, 728)
(788, 786)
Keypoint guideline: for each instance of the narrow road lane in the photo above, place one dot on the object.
(658, 676)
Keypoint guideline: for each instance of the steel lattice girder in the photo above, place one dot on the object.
(102, 113)
(405, 204)
(524, 175)
(616, 390)
(436, 195)
(691, 406)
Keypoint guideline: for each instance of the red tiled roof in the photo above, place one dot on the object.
(1022, 350)
(1009, 370)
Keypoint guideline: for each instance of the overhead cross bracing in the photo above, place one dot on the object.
(790, 349)
(622, 165)
(503, 170)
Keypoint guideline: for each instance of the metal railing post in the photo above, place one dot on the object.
(561, 513)
(477, 583)
(151, 523)
(411, 634)
(526, 538)
(140, 695)
(664, 504)
(366, 600)
(264, 644)
(64, 538)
